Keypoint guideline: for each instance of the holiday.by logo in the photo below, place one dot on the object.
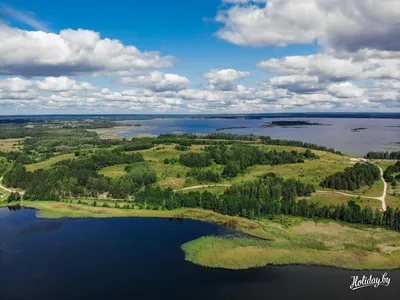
(359, 283)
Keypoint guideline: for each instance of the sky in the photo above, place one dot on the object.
(199, 56)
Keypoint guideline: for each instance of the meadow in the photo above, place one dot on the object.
(297, 241)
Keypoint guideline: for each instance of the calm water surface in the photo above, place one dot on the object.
(379, 135)
(138, 258)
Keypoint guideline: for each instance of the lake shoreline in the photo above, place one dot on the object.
(248, 252)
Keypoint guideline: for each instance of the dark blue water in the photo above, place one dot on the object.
(379, 135)
(140, 258)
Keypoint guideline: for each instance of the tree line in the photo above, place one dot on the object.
(383, 155)
(388, 175)
(353, 178)
(204, 175)
(219, 138)
(267, 196)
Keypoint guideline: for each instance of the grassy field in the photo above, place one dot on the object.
(311, 171)
(171, 175)
(49, 162)
(303, 242)
(111, 133)
(336, 199)
(393, 201)
(8, 145)
(114, 171)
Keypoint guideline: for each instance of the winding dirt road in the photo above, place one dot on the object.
(381, 198)
(203, 186)
(8, 189)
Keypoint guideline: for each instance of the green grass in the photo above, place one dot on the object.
(49, 162)
(393, 201)
(8, 145)
(336, 199)
(114, 171)
(311, 171)
(307, 242)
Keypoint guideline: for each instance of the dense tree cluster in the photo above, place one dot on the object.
(219, 138)
(383, 155)
(13, 197)
(79, 177)
(264, 197)
(239, 157)
(170, 160)
(351, 179)
(390, 172)
(195, 159)
(204, 175)
(267, 195)
(135, 146)
(182, 148)
(267, 140)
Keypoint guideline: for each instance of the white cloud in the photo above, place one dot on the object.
(223, 79)
(345, 90)
(331, 67)
(14, 84)
(296, 83)
(244, 1)
(63, 83)
(26, 18)
(157, 81)
(339, 24)
(71, 52)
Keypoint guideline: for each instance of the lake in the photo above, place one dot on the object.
(140, 258)
(379, 135)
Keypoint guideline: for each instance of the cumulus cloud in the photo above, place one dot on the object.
(345, 90)
(296, 83)
(63, 83)
(329, 67)
(157, 81)
(14, 84)
(223, 79)
(348, 25)
(71, 52)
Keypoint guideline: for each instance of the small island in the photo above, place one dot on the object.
(229, 128)
(358, 129)
(291, 124)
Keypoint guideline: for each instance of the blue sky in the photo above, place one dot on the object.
(295, 55)
(184, 29)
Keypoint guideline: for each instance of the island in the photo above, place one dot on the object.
(289, 202)
(358, 129)
(291, 124)
(230, 128)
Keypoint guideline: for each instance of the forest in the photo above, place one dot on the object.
(390, 172)
(269, 195)
(79, 177)
(361, 174)
(383, 155)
